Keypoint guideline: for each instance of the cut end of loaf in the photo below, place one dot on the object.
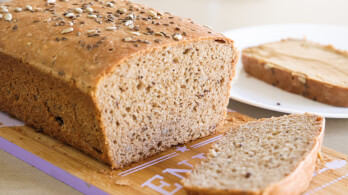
(254, 156)
(165, 97)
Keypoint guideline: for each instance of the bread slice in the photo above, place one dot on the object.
(118, 80)
(269, 156)
(315, 71)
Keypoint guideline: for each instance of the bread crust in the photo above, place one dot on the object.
(93, 56)
(285, 79)
(295, 183)
(68, 68)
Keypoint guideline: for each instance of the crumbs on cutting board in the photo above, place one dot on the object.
(322, 163)
(123, 182)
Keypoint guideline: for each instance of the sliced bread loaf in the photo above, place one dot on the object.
(120, 81)
(269, 156)
(318, 72)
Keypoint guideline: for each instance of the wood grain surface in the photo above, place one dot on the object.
(160, 174)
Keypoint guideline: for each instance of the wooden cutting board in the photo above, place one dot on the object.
(160, 174)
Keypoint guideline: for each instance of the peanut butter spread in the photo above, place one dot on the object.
(306, 59)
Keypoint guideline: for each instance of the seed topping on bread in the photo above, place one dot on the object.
(139, 20)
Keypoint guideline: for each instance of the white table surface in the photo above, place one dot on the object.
(17, 177)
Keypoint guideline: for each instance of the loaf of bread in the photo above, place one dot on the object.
(115, 79)
(269, 156)
(315, 71)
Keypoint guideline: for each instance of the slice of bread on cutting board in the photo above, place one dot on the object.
(318, 72)
(268, 156)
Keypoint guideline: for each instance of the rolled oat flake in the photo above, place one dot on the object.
(8, 17)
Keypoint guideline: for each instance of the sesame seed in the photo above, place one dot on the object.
(152, 13)
(109, 4)
(37, 9)
(0, 16)
(111, 28)
(92, 16)
(127, 39)
(122, 10)
(51, 1)
(159, 34)
(29, 43)
(71, 24)
(3, 7)
(130, 16)
(136, 33)
(28, 7)
(8, 17)
(69, 15)
(177, 37)
(89, 10)
(92, 33)
(78, 10)
(67, 30)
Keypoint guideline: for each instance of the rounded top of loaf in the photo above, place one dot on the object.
(80, 42)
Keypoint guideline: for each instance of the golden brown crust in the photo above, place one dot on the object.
(51, 106)
(67, 68)
(288, 81)
(39, 34)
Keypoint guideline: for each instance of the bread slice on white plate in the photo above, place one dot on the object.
(315, 71)
(268, 156)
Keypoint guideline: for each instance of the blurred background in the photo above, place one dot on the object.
(223, 15)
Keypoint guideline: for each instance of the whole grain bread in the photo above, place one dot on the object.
(269, 156)
(318, 72)
(118, 80)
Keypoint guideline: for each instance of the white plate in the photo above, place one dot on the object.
(257, 93)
